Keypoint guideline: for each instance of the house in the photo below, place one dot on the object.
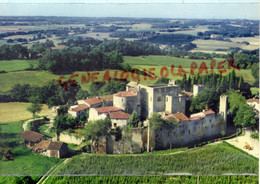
(119, 119)
(101, 112)
(78, 110)
(51, 149)
(91, 102)
(31, 138)
(107, 100)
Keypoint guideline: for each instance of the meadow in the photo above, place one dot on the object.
(211, 46)
(212, 159)
(16, 65)
(16, 111)
(25, 162)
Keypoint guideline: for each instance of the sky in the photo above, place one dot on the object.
(210, 9)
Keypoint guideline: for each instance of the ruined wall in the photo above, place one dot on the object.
(133, 141)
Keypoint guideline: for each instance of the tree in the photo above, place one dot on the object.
(208, 98)
(134, 119)
(35, 107)
(245, 116)
(97, 129)
(82, 94)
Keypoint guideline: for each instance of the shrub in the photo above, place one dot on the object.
(254, 135)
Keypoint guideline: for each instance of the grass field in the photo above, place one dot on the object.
(16, 111)
(212, 45)
(253, 42)
(157, 62)
(212, 159)
(39, 78)
(25, 162)
(14, 65)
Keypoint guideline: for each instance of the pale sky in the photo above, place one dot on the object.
(210, 9)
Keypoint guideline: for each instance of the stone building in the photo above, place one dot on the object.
(197, 89)
(101, 112)
(158, 98)
(78, 110)
(51, 149)
(128, 101)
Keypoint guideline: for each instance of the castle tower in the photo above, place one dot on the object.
(197, 89)
(223, 107)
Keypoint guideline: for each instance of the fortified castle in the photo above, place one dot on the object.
(166, 100)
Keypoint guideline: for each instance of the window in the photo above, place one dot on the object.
(159, 99)
(115, 124)
(166, 99)
(122, 99)
(189, 131)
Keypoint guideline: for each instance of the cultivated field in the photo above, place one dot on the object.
(210, 46)
(212, 159)
(253, 42)
(16, 111)
(14, 65)
(39, 78)
(194, 31)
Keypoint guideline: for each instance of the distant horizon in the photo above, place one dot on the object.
(178, 10)
(125, 17)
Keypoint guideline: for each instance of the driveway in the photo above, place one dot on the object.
(241, 141)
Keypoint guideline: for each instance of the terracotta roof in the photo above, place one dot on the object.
(119, 115)
(125, 94)
(46, 145)
(31, 136)
(252, 100)
(180, 117)
(208, 112)
(108, 109)
(80, 107)
(93, 101)
(107, 98)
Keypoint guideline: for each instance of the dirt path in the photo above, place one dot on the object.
(27, 122)
(241, 141)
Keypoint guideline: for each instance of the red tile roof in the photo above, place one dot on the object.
(119, 115)
(180, 117)
(252, 100)
(31, 136)
(125, 94)
(93, 101)
(80, 107)
(208, 112)
(108, 109)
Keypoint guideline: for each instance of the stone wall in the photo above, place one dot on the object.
(189, 132)
(133, 141)
(69, 139)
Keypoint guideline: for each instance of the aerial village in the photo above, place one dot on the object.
(166, 100)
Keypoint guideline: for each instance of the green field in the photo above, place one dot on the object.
(16, 65)
(157, 62)
(211, 46)
(155, 179)
(25, 162)
(212, 159)
(16, 111)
